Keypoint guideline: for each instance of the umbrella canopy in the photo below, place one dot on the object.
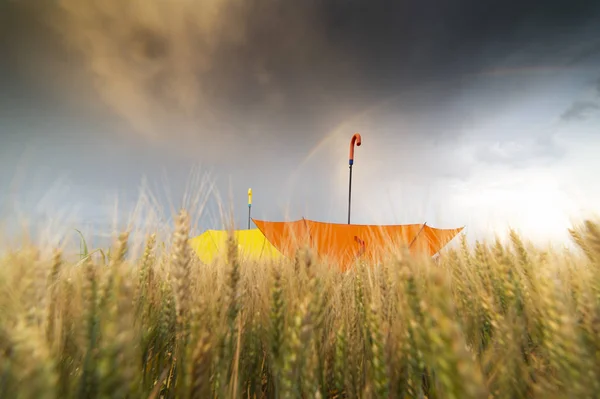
(252, 245)
(344, 243)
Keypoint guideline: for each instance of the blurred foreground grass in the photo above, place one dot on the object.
(490, 321)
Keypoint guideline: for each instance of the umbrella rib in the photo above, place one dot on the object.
(417, 236)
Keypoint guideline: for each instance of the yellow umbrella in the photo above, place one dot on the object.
(252, 243)
(252, 246)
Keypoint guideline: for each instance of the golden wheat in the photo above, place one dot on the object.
(488, 321)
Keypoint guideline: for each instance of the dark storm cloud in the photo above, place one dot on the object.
(580, 110)
(263, 70)
(200, 67)
(587, 50)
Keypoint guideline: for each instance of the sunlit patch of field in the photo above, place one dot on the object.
(494, 320)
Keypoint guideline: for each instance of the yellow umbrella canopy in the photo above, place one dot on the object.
(252, 245)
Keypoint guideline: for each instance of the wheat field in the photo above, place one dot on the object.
(490, 321)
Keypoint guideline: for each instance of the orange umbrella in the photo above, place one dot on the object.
(344, 243)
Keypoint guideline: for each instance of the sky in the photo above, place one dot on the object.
(477, 114)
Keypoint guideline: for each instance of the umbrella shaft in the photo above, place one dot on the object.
(249, 209)
(349, 194)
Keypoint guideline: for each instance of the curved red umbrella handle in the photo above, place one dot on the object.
(356, 139)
